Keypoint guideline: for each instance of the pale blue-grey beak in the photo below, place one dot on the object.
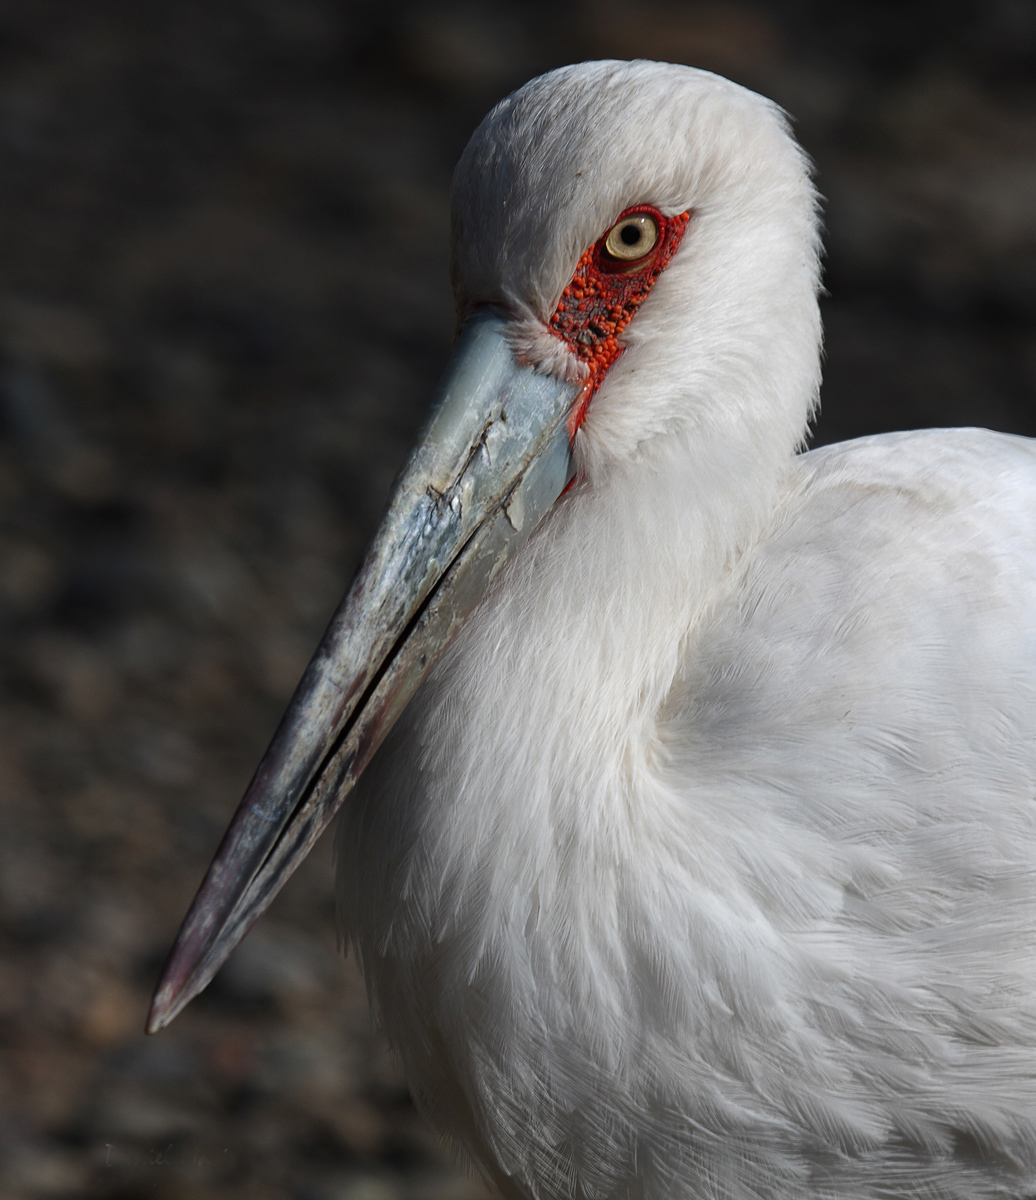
(491, 461)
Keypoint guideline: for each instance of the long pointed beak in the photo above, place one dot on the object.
(492, 459)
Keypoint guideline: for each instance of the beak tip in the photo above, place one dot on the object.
(177, 986)
(159, 1014)
(172, 995)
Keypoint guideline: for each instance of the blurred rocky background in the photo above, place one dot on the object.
(223, 301)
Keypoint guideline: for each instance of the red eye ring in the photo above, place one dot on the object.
(604, 295)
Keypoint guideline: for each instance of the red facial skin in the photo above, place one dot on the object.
(602, 298)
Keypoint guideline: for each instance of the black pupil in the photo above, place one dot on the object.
(630, 234)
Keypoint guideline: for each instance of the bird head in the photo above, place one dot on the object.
(725, 335)
(635, 268)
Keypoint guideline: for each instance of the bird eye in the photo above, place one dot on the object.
(632, 237)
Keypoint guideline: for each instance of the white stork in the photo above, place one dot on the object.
(700, 860)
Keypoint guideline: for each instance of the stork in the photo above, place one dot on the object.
(699, 855)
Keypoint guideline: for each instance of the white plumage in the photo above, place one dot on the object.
(703, 863)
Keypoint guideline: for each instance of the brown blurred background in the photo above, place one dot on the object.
(223, 301)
